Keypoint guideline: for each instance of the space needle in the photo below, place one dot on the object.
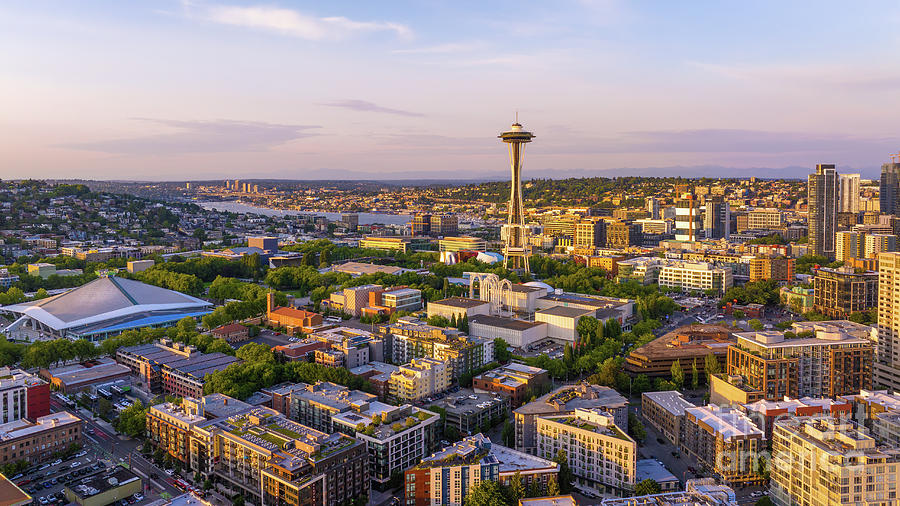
(516, 248)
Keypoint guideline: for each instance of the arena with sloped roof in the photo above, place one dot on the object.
(104, 307)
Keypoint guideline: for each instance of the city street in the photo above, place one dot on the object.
(101, 442)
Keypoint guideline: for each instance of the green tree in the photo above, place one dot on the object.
(487, 493)
(695, 375)
(132, 420)
(677, 374)
(516, 487)
(764, 501)
(640, 384)
(565, 473)
(501, 351)
(647, 487)
(438, 321)
(553, 487)
(711, 366)
(509, 434)
(755, 324)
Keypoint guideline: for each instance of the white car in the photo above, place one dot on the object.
(138, 497)
(56, 462)
(170, 472)
(80, 454)
(75, 464)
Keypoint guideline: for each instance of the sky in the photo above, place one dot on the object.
(195, 89)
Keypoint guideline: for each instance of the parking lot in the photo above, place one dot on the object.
(45, 483)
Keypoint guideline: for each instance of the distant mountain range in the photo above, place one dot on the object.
(697, 171)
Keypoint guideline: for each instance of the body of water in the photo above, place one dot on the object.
(364, 218)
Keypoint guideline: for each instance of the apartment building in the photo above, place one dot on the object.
(445, 477)
(849, 244)
(22, 395)
(396, 243)
(401, 299)
(764, 219)
(771, 267)
(421, 378)
(824, 359)
(410, 338)
(665, 412)
(842, 291)
(516, 381)
(354, 299)
(879, 243)
(471, 412)
(397, 437)
(461, 243)
(563, 401)
(887, 353)
(172, 367)
(699, 276)
(828, 461)
(622, 234)
(688, 218)
(590, 233)
(725, 440)
(348, 347)
(272, 460)
(601, 456)
(645, 270)
(765, 413)
(697, 492)
(38, 440)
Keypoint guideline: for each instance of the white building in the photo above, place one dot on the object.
(695, 276)
(562, 321)
(516, 333)
(849, 186)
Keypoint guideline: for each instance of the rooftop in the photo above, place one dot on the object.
(460, 302)
(11, 495)
(187, 362)
(506, 323)
(23, 428)
(570, 397)
(467, 401)
(726, 422)
(558, 500)
(670, 400)
(651, 469)
(101, 482)
(565, 312)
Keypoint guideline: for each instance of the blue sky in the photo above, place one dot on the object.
(207, 89)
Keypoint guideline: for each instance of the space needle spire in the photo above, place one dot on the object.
(516, 249)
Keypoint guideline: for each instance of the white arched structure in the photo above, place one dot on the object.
(492, 289)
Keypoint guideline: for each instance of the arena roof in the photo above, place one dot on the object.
(109, 304)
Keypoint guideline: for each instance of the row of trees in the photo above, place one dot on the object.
(262, 368)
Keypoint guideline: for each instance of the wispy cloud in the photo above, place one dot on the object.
(725, 141)
(217, 136)
(291, 22)
(364, 106)
(808, 75)
(448, 48)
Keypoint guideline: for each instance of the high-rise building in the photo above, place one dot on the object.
(842, 291)
(848, 244)
(516, 249)
(688, 218)
(420, 224)
(444, 225)
(849, 193)
(823, 193)
(600, 454)
(889, 192)
(887, 350)
(779, 268)
(724, 440)
(829, 461)
(653, 207)
(716, 218)
(590, 233)
(622, 234)
(879, 243)
(834, 360)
